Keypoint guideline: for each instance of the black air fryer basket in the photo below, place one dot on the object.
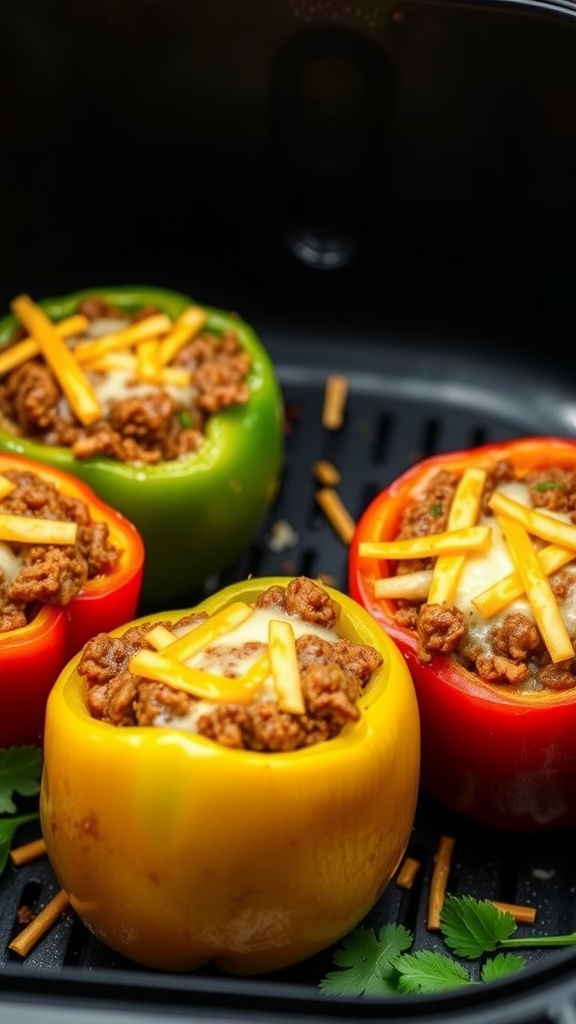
(386, 191)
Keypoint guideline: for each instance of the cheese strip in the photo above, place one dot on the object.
(507, 589)
(188, 324)
(205, 685)
(148, 360)
(206, 632)
(150, 327)
(541, 525)
(470, 538)
(411, 586)
(74, 384)
(538, 591)
(284, 665)
(6, 486)
(32, 530)
(464, 512)
(160, 637)
(27, 348)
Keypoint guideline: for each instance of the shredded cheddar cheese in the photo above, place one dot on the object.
(32, 530)
(538, 523)
(463, 513)
(21, 351)
(429, 545)
(6, 486)
(70, 376)
(538, 591)
(148, 360)
(160, 637)
(284, 665)
(508, 588)
(206, 685)
(209, 630)
(188, 324)
(153, 326)
(410, 586)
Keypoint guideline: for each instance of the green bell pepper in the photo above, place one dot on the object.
(196, 514)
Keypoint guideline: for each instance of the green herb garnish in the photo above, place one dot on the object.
(185, 418)
(20, 772)
(550, 485)
(378, 964)
(436, 510)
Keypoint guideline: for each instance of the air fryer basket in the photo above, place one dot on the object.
(386, 192)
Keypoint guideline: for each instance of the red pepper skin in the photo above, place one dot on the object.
(505, 760)
(32, 657)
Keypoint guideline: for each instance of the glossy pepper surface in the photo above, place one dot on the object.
(503, 758)
(32, 656)
(196, 513)
(177, 851)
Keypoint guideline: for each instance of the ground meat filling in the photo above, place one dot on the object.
(149, 426)
(333, 676)
(512, 652)
(44, 573)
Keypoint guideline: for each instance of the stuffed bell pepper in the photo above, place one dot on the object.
(468, 560)
(70, 566)
(169, 410)
(235, 783)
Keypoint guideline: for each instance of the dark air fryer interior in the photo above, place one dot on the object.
(382, 191)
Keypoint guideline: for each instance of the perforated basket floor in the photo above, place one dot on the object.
(404, 401)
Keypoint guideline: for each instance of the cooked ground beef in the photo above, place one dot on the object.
(149, 426)
(513, 652)
(50, 574)
(333, 675)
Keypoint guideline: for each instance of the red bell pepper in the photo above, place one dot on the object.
(32, 656)
(498, 756)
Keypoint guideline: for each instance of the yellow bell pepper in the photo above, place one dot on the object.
(177, 851)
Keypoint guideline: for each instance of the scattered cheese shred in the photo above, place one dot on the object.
(188, 324)
(439, 881)
(204, 685)
(209, 630)
(407, 874)
(41, 924)
(76, 387)
(178, 376)
(87, 352)
(505, 590)
(336, 512)
(6, 486)
(540, 524)
(326, 473)
(284, 665)
(429, 545)
(28, 852)
(463, 513)
(33, 530)
(21, 351)
(335, 397)
(410, 586)
(538, 591)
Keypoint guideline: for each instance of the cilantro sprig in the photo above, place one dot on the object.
(20, 772)
(383, 963)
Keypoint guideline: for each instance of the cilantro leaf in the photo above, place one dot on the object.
(501, 965)
(472, 927)
(427, 971)
(367, 962)
(20, 771)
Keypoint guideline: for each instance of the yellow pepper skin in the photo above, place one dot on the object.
(176, 851)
